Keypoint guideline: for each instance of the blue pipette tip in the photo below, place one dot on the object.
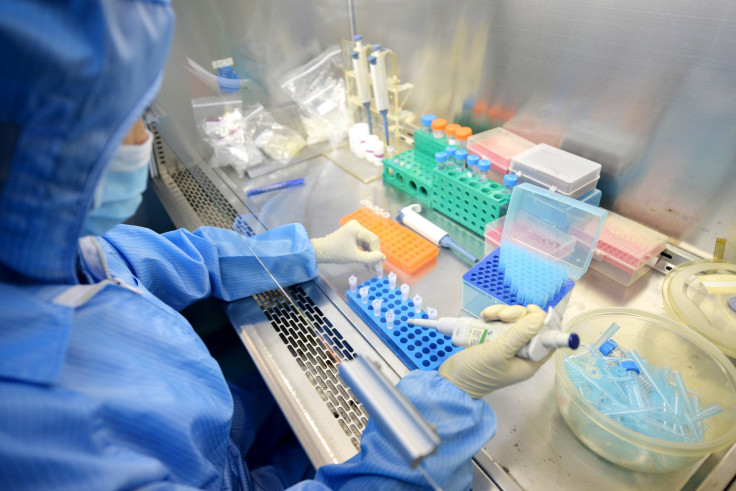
(574, 341)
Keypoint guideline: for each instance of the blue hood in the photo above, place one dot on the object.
(74, 76)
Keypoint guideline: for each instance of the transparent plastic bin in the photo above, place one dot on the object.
(498, 146)
(556, 170)
(661, 342)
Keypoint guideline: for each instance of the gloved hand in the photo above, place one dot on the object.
(483, 368)
(343, 246)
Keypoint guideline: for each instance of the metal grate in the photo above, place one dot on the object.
(314, 357)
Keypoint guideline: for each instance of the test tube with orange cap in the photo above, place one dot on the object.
(450, 130)
(461, 137)
(438, 127)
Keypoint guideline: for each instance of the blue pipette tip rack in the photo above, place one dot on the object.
(484, 284)
(417, 347)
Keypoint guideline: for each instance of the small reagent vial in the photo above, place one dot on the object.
(460, 156)
(417, 304)
(353, 281)
(390, 316)
(392, 280)
(438, 127)
(509, 181)
(404, 292)
(427, 122)
(440, 158)
(472, 165)
(432, 313)
(483, 168)
(379, 270)
(450, 151)
(364, 295)
(377, 307)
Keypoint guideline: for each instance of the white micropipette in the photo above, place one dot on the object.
(361, 81)
(468, 331)
(377, 62)
(409, 216)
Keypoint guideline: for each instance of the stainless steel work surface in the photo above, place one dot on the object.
(533, 448)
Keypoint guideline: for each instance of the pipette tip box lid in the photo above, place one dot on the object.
(498, 146)
(546, 223)
(556, 170)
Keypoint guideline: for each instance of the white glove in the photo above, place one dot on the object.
(483, 368)
(343, 246)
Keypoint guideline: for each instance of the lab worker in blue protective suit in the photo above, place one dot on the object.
(103, 384)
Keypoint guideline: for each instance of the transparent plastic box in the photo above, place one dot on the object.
(556, 170)
(625, 249)
(498, 146)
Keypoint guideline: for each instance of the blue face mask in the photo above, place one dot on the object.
(119, 192)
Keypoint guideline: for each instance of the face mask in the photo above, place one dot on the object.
(119, 192)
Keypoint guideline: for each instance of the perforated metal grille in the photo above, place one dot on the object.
(309, 351)
(313, 356)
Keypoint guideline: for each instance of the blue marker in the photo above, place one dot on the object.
(292, 183)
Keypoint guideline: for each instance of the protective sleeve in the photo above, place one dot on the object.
(463, 424)
(181, 267)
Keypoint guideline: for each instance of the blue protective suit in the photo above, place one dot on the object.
(103, 384)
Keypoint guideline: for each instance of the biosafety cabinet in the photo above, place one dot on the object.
(643, 89)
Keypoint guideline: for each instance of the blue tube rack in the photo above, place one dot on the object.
(417, 347)
(485, 285)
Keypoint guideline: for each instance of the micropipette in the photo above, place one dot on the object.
(468, 331)
(410, 217)
(378, 76)
(361, 82)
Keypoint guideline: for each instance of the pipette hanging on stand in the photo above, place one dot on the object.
(361, 77)
(377, 63)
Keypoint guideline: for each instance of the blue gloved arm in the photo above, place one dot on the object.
(463, 424)
(181, 267)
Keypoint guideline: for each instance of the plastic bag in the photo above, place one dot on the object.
(319, 88)
(221, 124)
(277, 141)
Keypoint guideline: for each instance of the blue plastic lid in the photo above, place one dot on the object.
(450, 151)
(461, 154)
(473, 159)
(630, 366)
(376, 47)
(607, 347)
(468, 103)
(574, 341)
(484, 164)
(427, 119)
(372, 60)
(358, 37)
(510, 180)
(440, 156)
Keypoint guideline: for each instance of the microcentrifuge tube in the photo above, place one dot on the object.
(364, 294)
(377, 307)
(417, 303)
(392, 280)
(390, 319)
(379, 270)
(353, 281)
(404, 292)
(432, 313)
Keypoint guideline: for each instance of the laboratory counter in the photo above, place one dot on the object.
(533, 448)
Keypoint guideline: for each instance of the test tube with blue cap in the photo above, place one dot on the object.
(509, 181)
(472, 161)
(460, 157)
(427, 122)
(483, 168)
(440, 158)
(450, 151)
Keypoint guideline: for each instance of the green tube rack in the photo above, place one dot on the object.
(428, 144)
(411, 172)
(466, 200)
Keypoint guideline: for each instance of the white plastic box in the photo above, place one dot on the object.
(556, 170)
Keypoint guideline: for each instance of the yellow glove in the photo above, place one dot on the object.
(344, 246)
(483, 368)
